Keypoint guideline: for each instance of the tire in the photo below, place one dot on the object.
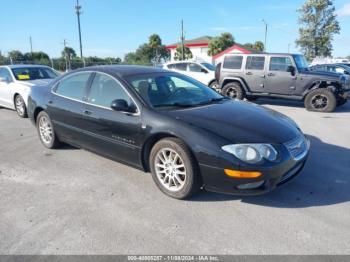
(214, 85)
(320, 100)
(341, 101)
(181, 182)
(233, 90)
(20, 106)
(46, 131)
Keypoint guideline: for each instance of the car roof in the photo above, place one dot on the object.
(263, 54)
(123, 70)
(23, 65)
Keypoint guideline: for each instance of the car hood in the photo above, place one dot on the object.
(240, 122)
(323, 75)
(38, 82)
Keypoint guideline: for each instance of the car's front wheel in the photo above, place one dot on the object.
(46, 131)
(214, 85)
(20, 106)
(174, 169)
(320, 100)
(233, 90)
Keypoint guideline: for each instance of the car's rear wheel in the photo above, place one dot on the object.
(233, 90)
(46, 131)
(320, 100)
(174, 169)
(20, 106)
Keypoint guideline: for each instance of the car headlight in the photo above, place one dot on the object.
(252, 153)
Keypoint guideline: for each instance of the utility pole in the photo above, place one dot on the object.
(78, 12)
(182, 40)
(31, 46)
(65, 53)
(265, 34)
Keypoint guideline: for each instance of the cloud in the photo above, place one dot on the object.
(344, 11)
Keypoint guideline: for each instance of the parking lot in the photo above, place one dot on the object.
(70, 201)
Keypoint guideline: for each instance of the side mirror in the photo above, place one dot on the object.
(204, 71)
(291, 70)
(123, 106)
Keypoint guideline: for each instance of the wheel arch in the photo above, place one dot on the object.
(235, 80)
(151, 141)
(333, 86)
(36, 112)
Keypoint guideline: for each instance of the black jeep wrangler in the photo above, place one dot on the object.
(281, 76)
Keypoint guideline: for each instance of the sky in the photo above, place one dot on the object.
(116, 27)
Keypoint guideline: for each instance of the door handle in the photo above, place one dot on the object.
(271, 74)
(249, 73)
(86, 112)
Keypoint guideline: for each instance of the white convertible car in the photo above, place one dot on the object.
(16, 82)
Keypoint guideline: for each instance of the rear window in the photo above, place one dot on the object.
(255, 62)
(233, 62)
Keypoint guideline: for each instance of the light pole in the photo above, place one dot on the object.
(265, 34)
(78, 12)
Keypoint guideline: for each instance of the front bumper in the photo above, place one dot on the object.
(273, 176)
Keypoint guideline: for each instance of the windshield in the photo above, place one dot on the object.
(208, 66)
(162, 90)
(301, 62)
(33, 73)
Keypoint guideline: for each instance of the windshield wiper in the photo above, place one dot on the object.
(173, 105)
(213, 100)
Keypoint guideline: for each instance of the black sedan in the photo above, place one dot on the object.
(187, 135)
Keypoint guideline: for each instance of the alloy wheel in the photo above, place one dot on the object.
(20, 106)
(170, 169)
(45, 130)
(319, 101)
(232, 92)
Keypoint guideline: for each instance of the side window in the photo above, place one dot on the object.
(73, 86)
(5, 74)
(339, 70)
(171, 66)
(194, 68)
(233, 62)
(255, 62)
(331, 69)
(280, 63)
(104, 90)
(181, 66)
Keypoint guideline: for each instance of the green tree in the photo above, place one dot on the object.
(69, 53)
(258, 45)
(318, 26)
(187, 53)
(3, 59)
(220, 43)
(36, 56)
(148, 53)
(16, 56)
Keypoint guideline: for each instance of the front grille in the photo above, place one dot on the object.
(297, 147)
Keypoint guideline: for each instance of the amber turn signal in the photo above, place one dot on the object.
(242, 174)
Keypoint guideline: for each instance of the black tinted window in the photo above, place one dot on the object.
(233, 62)
(195, 68)
(104, 90)
(280, 63)
(255, 62)
(181, 66)
(73, 86)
